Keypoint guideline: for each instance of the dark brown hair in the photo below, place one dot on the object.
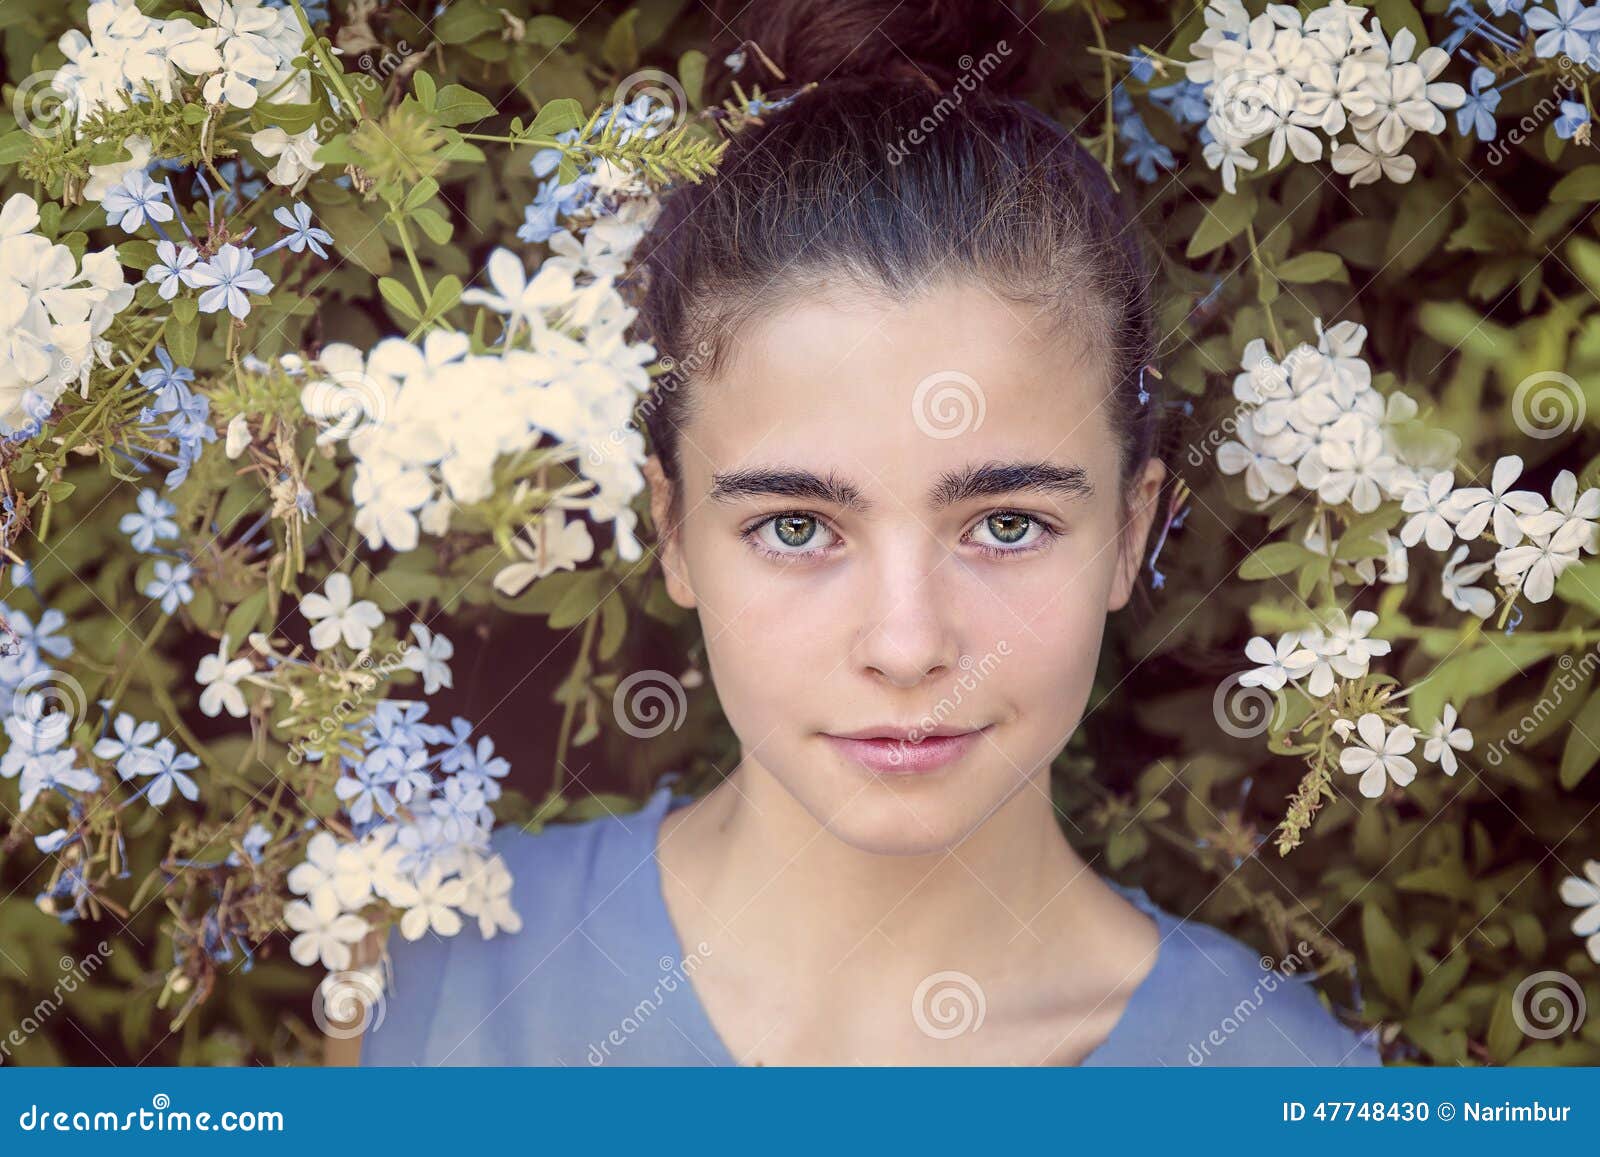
(909, 163)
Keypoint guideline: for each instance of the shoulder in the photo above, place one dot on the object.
(582, 892)
(1214, 1000)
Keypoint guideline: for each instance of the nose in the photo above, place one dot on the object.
(908, 632)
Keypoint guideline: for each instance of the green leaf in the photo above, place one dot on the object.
(1388, 954)
(1580, 586)
(557, 117)
(1276, 558)
(621, 48)
(137, 254)
(1225, 219)
(420, 194)
(459, 105)
(183, 337)
(185, 308)
(398, 296)
(356, 234)
(1478, 671)
(1505, 1036)
(613, 626)
(433, 225)
(1579, 185)
(426, 90)
(1440, 981)
(1313, 269)
(692, 75)
(446, 293)
(291, 118)
(466, 20)
(1583, 744)
(244, 617)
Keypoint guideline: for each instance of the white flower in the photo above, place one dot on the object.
(296, 155)
(325, 933)
(548, 545)
(1570, 518)
(1585, 894)
(337, 615)
(1473, 506)
(1533, 567)
(1288, 660)
(1456, 584)
(220, 678)
(1381, 756)
(429, 658)
(436, 901)
(238, 436)
(1445, 739)
(517, 295)
(488, 897)
(1365, 162)
(331, 870)
(1430, 513)
(1358, 467)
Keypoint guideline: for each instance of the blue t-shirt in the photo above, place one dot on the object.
(597, 976)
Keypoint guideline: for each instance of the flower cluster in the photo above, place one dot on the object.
(244, 52)
(1315, 422)
(1301, 80)
(418, 797)
(428, 423)
(54, 310)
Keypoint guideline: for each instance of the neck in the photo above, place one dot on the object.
(766, 869)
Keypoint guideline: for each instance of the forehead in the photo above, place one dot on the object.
(858, 383)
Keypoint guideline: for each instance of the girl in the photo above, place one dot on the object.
(910, 473)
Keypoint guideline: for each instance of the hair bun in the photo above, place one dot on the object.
(932, 42)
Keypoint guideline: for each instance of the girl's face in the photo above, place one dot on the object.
(903, 519)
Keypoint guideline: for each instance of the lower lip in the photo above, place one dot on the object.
(896, 757)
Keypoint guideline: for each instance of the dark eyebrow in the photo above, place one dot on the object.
(954, 486)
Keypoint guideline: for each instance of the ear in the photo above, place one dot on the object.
(1136, 532)
(669, 548)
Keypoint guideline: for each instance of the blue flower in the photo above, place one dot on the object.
(303, 234)
(133, 199)
(131, 748)
(1185, 102)
(230, 278)
(1562, 32)
(254, 842)
(1574, 117)
(171, 585)
(167, 766)
(171, 270)
(1477, 111)
(151, 521)
(56, 771)
(169, 382)
(1141, 68)
(365, 789)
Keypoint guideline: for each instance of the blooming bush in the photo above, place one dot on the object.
(319, 367)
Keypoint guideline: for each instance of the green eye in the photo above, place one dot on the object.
(1008, 527)
(795, 529)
